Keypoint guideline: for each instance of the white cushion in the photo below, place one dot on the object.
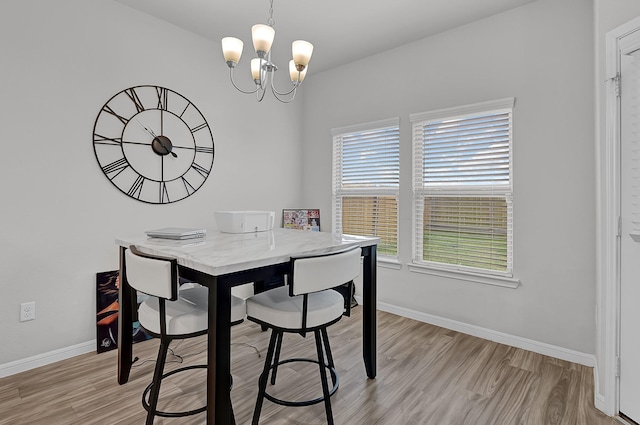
(188, 314)
(238, 306)
(276, 307)
(317, 273)
(243, 291)
(149, 275)
(238, 309)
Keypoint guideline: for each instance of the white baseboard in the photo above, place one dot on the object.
(599, 400)
(44, 359)
(601, 404)
(29, 363)
(491, 335)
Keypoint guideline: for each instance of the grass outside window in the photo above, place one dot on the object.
(466, 231)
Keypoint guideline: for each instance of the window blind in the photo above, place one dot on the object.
(467, 231)
(467, 151)
(462, 188)
(366, 170)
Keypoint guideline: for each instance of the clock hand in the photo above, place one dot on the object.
(148, 130)
(173, 154)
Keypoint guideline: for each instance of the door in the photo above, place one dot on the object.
(629, 89)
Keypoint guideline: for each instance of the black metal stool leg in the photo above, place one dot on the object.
(157, 378)
(327, 350)
(323, 378)
(276, 359)
(264, 377)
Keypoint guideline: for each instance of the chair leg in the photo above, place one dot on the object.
(157, 378)
(264, 377)
(323, 378)
(327, 350)
(276, 358)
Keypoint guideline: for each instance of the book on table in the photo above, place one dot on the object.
(177, 233)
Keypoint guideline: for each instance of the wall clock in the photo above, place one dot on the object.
(153, 144)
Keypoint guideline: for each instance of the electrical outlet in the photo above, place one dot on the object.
(27, 311)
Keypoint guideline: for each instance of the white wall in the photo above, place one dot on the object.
(541, 54)
(59, 215)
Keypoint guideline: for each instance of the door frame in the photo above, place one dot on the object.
(608, 237)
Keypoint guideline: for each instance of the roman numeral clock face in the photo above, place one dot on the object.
(153, 144)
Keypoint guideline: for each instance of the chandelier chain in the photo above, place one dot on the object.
(270, 21)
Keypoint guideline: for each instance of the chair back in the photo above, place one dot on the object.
(324, 271)
(152, 275)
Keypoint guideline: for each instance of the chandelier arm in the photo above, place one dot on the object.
(293, 90)
(238, 88)
(260, 94)
(280, 97)
(275, 91)
(264, 74)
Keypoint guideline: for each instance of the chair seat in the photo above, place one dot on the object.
(278, 309)
(238, 309)
(188, 314)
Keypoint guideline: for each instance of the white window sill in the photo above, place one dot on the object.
(505, 282)
(389, 263)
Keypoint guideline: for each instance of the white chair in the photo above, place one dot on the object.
(169, 313)
(306, 304)
(193, 292)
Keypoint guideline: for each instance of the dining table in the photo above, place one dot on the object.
(221, 261)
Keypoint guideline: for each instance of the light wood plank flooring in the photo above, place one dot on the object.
(426, 375)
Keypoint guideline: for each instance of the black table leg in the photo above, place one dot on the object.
(219, 353)
(219, 409)
(126, 305)
(369, 310)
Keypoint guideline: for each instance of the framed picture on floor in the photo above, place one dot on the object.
(107, 306)
(301, 219)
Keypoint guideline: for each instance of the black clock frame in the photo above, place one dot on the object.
(202, 150)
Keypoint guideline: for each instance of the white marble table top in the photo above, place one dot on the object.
(221, 253)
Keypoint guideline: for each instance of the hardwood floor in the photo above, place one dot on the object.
(426, 375)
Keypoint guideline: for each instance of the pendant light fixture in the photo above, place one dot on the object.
(262, 68)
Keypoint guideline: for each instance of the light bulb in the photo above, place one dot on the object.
(301, 51)
(262, 36)
(296, 76)
(232, 49)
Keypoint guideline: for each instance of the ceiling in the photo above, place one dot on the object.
(340, 30)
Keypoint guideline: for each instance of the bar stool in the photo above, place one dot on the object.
(306, 304)
(194, 292)
(169, 313)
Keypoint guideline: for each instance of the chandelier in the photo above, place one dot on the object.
(262, 68)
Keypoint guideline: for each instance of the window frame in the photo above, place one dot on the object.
(337, 175)
(421, 191)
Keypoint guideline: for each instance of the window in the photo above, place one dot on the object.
(366, 170)
(463, 188)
